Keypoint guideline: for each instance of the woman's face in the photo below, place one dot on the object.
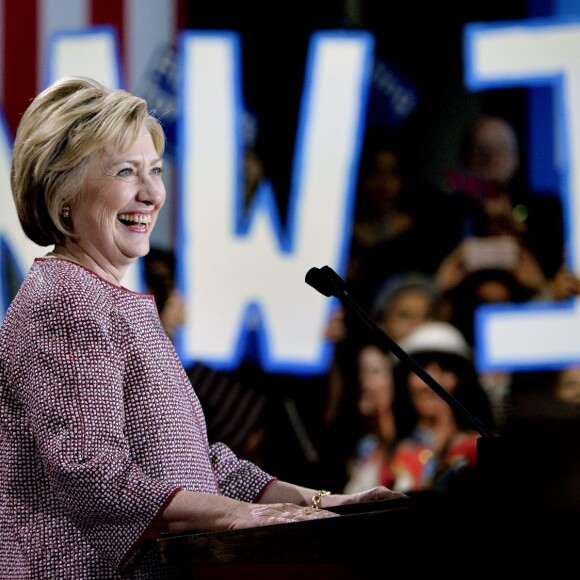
(428, 403)
(376, 386)
(118, 207)
(407, 312)
(384, 182)
(495, 155)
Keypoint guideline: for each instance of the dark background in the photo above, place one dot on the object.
(421, 40)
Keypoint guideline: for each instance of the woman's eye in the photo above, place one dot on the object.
(126, 172)
(157, 170)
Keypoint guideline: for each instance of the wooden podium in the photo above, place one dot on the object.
(424, 533)
(428, 533)
(337, 548)
(521, 513)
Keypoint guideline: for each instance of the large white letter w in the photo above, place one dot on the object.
(248, 274)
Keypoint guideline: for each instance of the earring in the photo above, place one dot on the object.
(66, 211)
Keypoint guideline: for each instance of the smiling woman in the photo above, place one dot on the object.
(117, 209)
(62, 141)
(104, 441)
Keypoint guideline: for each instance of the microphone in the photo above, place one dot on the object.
(326, 281)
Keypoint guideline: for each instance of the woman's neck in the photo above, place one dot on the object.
(86, 261)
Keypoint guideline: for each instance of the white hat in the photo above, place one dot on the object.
(436, 336)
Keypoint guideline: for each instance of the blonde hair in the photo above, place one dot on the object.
(62, 130)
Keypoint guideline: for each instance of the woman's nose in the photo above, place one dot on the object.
(152, 191)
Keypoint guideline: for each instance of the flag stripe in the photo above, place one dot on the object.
(27, 25)
(19, 66)
(111, 12)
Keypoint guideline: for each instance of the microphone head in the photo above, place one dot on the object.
(315, 278)
(325, 280)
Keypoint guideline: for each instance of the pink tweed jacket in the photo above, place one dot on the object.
(99, 428)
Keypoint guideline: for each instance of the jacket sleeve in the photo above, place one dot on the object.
(238, 478)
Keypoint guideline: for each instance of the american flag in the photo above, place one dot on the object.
(145, 30)
(143, 27)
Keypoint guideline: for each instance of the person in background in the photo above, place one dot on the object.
(476, 274)
(512, 247)
(472, 275)
(495, 200)
(398, 218)
(403, 302)
(436, 445)
(104, 443)
(397, 230)
(406, 300)
(371, 462)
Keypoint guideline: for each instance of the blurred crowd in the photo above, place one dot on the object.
(423, 258)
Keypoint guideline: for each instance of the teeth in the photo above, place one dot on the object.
(137, 218)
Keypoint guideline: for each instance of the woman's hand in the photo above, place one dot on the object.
(281, 503)
(257, 515)
(373, 494)
(201, 512)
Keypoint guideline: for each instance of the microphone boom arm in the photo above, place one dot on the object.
(326, 281)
